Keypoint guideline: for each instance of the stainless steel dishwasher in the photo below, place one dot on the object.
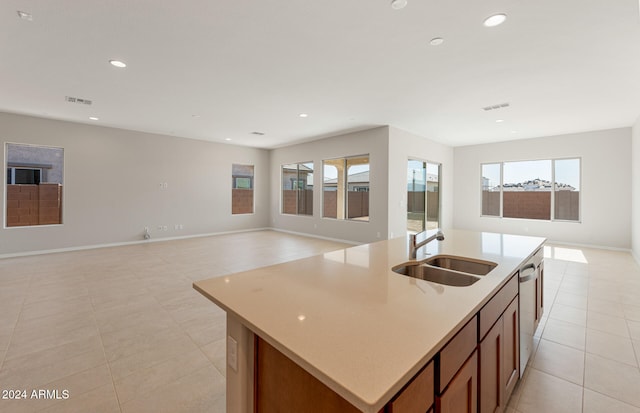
(530, 282)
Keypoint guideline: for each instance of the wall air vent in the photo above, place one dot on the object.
(494, 107)
(79, 101)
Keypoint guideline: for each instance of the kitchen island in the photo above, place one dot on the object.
(359, 328)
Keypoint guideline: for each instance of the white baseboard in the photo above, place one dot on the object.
(120, 244)
(598, 247)
(305, 234)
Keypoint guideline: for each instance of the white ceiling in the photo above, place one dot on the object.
(247, 66)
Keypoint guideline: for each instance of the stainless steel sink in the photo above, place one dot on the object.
(462, 264)
(447, 270)
(435, 274)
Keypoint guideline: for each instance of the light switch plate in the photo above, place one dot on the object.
(232, 353)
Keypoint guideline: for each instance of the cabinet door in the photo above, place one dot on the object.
(462, 394)
(491, 369)
(417, 396)
(511, 356)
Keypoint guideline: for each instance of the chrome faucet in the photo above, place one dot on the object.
(413, 245)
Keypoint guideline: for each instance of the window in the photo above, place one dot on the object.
(345, 188)
(423, 195)
(491, 178)
(297, 188)
(567, 189)
(242, 189)
(526, 190)
(34, 185)
(541, 189)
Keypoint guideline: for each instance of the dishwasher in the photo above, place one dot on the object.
(529, 290)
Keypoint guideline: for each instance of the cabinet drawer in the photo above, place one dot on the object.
(454, 354)
(495, 307)
(418, 396)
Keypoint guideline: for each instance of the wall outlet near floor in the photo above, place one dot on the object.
(232, 353)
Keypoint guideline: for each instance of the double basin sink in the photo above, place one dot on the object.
(447, 270)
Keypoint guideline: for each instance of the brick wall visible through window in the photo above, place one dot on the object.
(546, 189)
(242, 189)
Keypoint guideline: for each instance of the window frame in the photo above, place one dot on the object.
(234, 187)
(296, 188)
(553, 191)
(12, 165)
(345, 204)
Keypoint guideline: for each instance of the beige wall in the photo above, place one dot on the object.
(635, 190)
(606, 169)
(112, 185)
(372, 142)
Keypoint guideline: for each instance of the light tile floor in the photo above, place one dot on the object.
(587, 356)
(123, 330)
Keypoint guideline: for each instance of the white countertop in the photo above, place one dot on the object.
(357, 326)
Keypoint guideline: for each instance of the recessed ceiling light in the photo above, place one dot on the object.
(303, 115)
(436, 41)
(514, 131)
(499, 120)
(93, 118)
(117, 63)
(398, 4)
(227, 139)
(495, 20)
(25, 16)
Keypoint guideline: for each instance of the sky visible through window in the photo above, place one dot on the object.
(567, 171)
(331, 172)
(414, 165)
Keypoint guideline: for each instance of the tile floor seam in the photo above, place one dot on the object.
(15, 324)
(104, 352)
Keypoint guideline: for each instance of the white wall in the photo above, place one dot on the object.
(372, 142)
(635, 190)
(402, 146)
(606, 184)
(112, 180)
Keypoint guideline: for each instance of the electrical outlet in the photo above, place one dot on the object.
(232, 353)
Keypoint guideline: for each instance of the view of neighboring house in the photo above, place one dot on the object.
(356, 182)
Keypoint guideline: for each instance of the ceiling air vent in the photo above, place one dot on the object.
(257, 133)
(79, 101)
(494, 107)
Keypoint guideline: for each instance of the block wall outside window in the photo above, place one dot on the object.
(297, 188)
(242, 189)
(345, 188)
(34, 185)
(540, 189)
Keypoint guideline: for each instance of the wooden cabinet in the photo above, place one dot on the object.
(476, 370)
(499, 361)
(280, 385)
(491, 374)
(499, 348)
(511, 359)
(418, 396)
(461, 396)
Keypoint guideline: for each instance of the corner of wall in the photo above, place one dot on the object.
(635, 191)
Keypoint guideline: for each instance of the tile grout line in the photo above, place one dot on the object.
(15, 324)
(104, 351)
